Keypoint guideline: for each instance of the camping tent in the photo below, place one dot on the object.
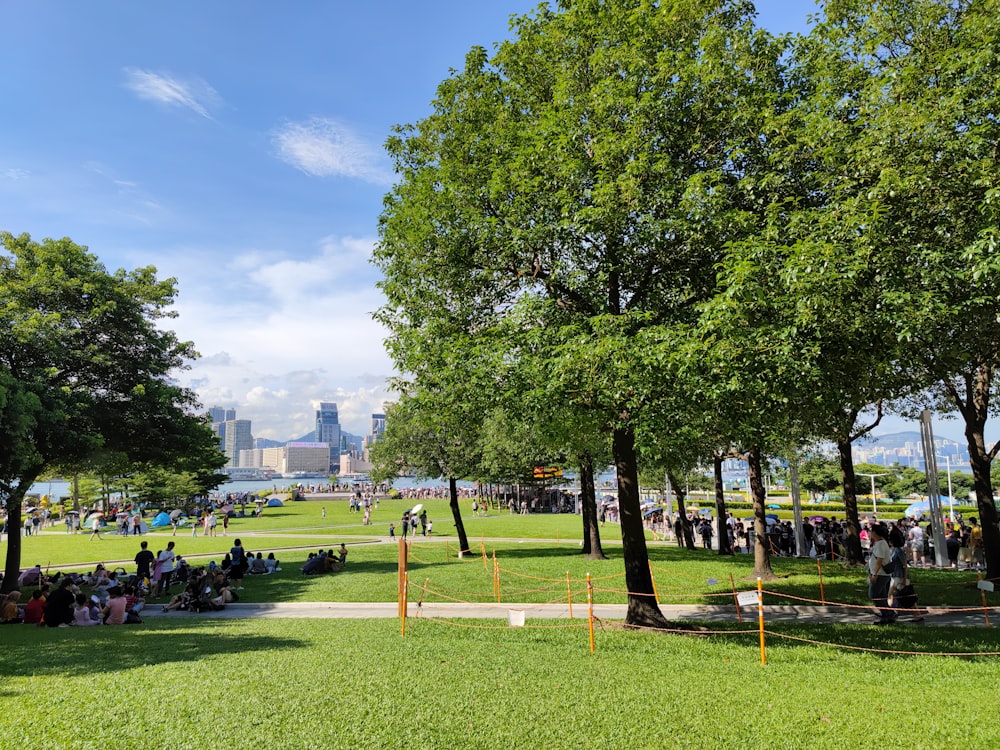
(162, 519)
(274, 502)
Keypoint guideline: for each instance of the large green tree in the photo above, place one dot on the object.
(590, 161)
(85, 368)
(917, 78)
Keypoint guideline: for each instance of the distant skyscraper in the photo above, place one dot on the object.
(328, 428)
(378, 426)
(237, 438)
(218, 414)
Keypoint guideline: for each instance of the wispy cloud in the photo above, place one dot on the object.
(322, 147)
(14, 173)
(195, 94)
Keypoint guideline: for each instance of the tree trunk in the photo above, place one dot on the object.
(643, 610)
(687, 532)
(722, 528)
(852, 543)
(12, 565)
(456, 512)
(761, 554)
(588, 500)
(981, 459)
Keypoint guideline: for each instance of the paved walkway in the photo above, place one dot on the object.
(680, 612)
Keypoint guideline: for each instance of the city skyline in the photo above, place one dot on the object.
(239, 149)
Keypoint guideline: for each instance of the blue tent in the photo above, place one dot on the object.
(162, 519)
(274, 502)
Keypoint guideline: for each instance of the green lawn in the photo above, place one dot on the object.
(205, 684)
(293, 683)
(531, 571)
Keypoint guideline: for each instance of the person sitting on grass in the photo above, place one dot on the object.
(10, 613)
(257, 566)
(187, 597)
(34, 610)
(271, 563)
(315, 564)
(114, 611)
(81, 612)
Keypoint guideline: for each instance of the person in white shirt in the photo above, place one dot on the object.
(915, 539)
(878, 574)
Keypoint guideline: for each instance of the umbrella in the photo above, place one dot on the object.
(227, 508)
(175, 514)
(772, 506)
(96, 514)
(817, 519)
(72, 513)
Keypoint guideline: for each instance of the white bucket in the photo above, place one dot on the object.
(515, 618)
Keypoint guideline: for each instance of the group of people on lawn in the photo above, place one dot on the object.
(116, 598)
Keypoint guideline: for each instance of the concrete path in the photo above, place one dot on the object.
(680, 612)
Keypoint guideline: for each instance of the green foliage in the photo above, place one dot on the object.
(85, 368)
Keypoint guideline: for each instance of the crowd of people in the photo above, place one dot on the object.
(116, 597)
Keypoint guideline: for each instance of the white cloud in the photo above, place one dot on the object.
(323, 147)
(195, 94)
(279, 333)
(14, 173)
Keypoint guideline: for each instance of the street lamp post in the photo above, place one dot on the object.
(951, 497)
(872, 477)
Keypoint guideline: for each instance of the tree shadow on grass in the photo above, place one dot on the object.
(887, 642)
(81, 651)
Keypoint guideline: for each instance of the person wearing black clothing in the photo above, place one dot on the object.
(59, 605)
(144, 562)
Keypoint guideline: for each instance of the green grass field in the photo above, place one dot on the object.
(359, 684)
(298, 683)
(532, 570)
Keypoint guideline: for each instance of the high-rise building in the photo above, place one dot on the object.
(237, 438)
(378, 427)
(328, 428)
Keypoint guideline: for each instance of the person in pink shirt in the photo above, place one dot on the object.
(114, 611)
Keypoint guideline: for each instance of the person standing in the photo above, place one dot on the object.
(144, 560)
(878, 573)
(166, 565)
(239, 564)
(95, 528)
(976, 550)
(915, 538)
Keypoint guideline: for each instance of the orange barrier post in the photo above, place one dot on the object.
(656, 597)
(819, 567)
(496, 576)
(406, 583)
(736, 600)
(590, 610)
(760, 619)
(401, 582)
(569, 595)
(986, 609)
(482, 548)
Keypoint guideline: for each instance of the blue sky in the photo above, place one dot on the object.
(237, 146)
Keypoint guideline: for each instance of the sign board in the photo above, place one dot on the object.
(986, 585)
(747, 598)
